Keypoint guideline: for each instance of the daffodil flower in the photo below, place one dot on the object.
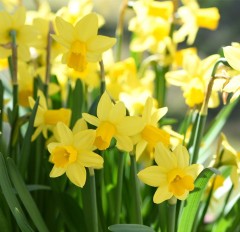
(151, 133)
(81, 41)
(172, 175)
(72, 153)
(112, 122)
(47, 119)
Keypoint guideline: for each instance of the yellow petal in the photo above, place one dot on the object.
(63, 134)
(56, 172)
(140, 147)
(19, 17)
(182, 156)
(77, 174)
(84, 140)
(194, 170)
(232, 55)
(124, 143)
(87, 27)
(91, 119)
(105, 105)
(51, 146)
(80, 125)
(162, 194)
(117, 113)
(90, 159)
(100, 43)
(152, 176)
(164, 157)
(135, 123)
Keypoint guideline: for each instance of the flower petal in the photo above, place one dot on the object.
(232, 55)
(105, 105)
(84, 140)
(140, 147)
(91, 119)
(194, 170)
(77, 174)
(182, 156)
(162, 194)
(63, 134)
(100, 44)
(117, 113)
(90, 159)
(56, 172)
(164, 157)
(87, 27)
(152, 176)
(124, 143)
(80, 125)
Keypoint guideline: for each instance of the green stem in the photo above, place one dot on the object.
(102, 75)
(171, 214)
(119, 187)
(93, 200)
(137, 216)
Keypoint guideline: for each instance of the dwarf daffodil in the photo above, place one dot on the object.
(112, 122)
(47, 119)
(72, 153)
(172, 175)
(81, 41)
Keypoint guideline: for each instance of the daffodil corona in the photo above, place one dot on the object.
(81, 41)
(172, 175)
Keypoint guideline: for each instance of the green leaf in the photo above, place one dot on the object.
(11, 198)
(130, 228)
(25, 150)
(25, 196)
(192, 203)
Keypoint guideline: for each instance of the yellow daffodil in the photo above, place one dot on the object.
(194, 78)
(26, 35)
(172, 175)
(227, 155)
(151, 24)
(112, 122)
(151, 134)
(232, 55)
(72, 153)
(47, 119)
(76, 10)
(193, 17)
(81, 41)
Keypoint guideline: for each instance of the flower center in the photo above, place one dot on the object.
(154, 135)
(193, 96)
(104, 134)
(52, 117)
(160, 9)
(77, 56)
(63, 156)
(179, 182)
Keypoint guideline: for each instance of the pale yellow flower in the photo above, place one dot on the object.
(193, 17)
(112, 122)
(47, 119)
(72, 153)
(173, 176)
(151, 134)
(193, 78)
(81, 41)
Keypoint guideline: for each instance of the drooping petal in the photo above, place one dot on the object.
(91, 119)
(152, 176)
(130, 126)
(124, 143)
(140, 147)
(162, 194)
(87, 27)
(77, 174)
(158, 114)
(105, 105)
(84, 140)
(56, 171)
(182, 156)
(164, 157)
(90, 159)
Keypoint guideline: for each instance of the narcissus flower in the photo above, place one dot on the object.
(26, 35)
(194, 78)
(47, 119)
(172, 175)
(112, 122)
(72, 153)
(151, 133)
(81, 41)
